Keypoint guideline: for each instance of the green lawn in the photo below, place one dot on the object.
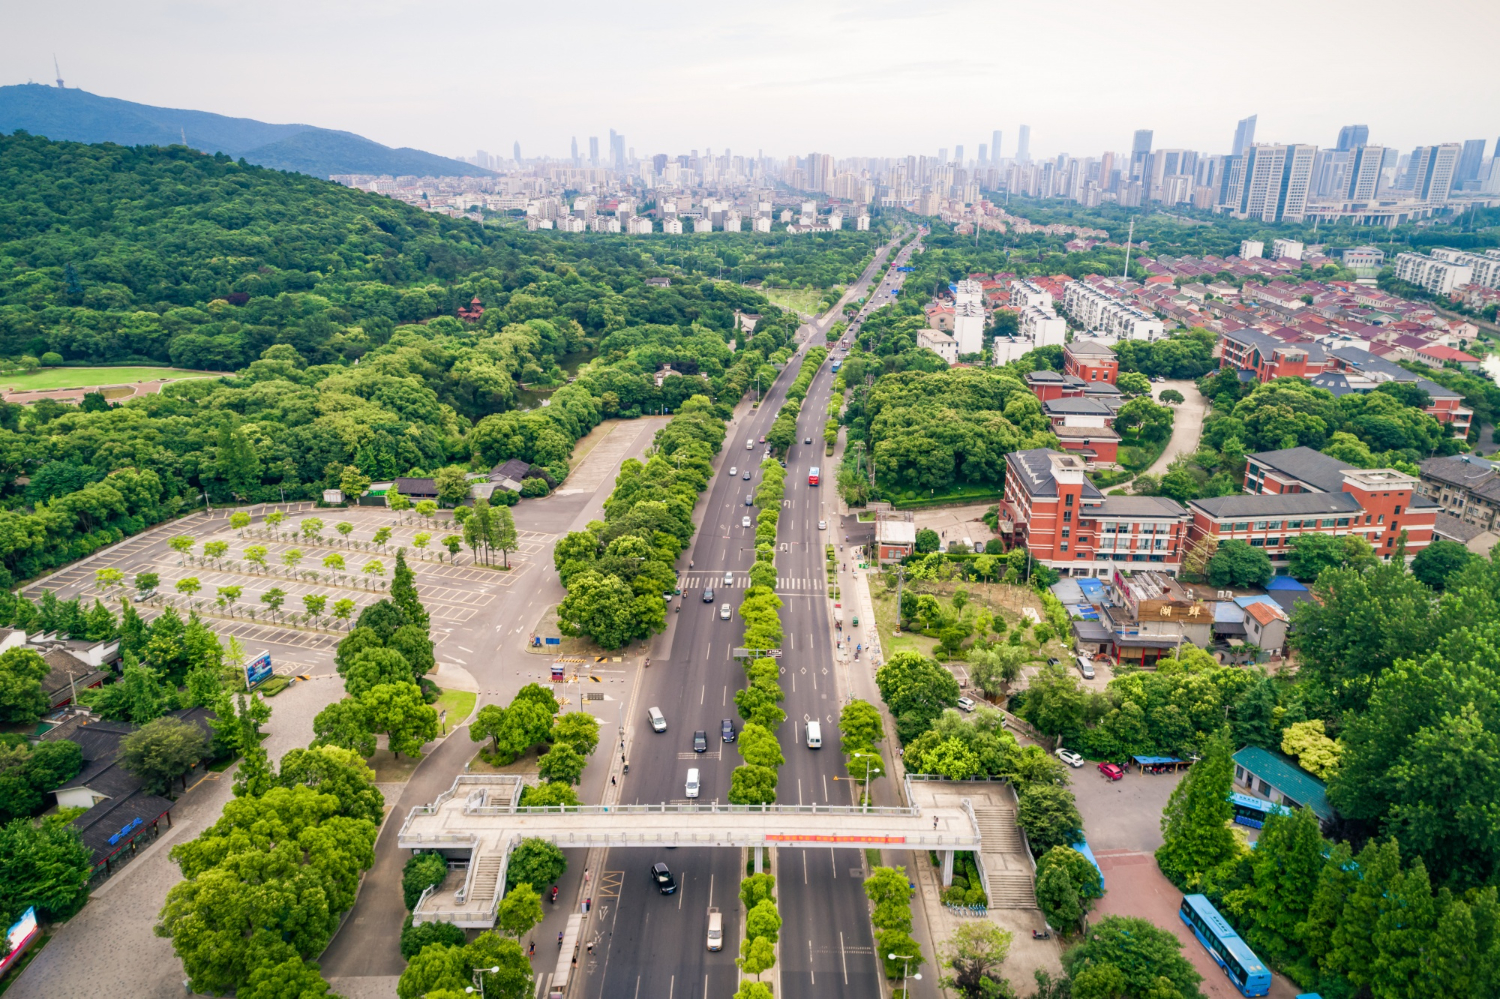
(64, 378)
(458, 704)
(804, 300)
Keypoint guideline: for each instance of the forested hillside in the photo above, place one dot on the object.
(336, 308)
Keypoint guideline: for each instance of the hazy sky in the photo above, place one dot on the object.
(852, 78)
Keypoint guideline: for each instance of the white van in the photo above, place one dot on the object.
(715, 929)
(658, 720)
(814, 735)
(750, 445)
(1085, 667)
(692, 783)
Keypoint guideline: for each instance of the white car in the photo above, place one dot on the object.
(965, 704)
(1069, 757)
(744, 521)
(822, 525)
(733, 470)
(724, 612)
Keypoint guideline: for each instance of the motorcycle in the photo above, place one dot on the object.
(1041, 934)
(648, 662)
(553, 899)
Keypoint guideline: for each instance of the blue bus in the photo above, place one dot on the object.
(837, 365)
(1252, 812)
(1248, 973)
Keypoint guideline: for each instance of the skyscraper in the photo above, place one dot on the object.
(516, 153)
(1140, 148)
(1023, 145)
(1277, 182)
(1469, 162)
(1362, 178)
(593, 150)
(1353, 136)
(1244, 136)
(958, 155)
(1432, 171)
(575, 151)
(995, 147)
(984, 154)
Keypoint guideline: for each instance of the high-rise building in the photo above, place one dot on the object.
(1140, 150)
(995, 147)
(1232, 182)
(593, 150)
(1277, 182)
(516, 152)
(1362, 176)
(1432, 171)
(1469, 162)
(984, 154)
(958, 155)
(616, 150)
(659, 163)
(1023, 145)
(1244, 136)
(1352, 136)
(575, 151)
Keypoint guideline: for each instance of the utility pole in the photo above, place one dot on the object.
(1129, 238)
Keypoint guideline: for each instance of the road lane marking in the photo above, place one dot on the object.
(804, 867)
(843, 957)
(810, 969)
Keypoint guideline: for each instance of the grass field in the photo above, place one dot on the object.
(66, 378)
(797, 299)
(458, 704)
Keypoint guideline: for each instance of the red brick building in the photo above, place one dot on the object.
(1266, 357)
(1068, 525)
(1090, 362)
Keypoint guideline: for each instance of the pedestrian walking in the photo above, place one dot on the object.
(586, 875)
(531, 951)
(591, 946)
(612, 781)
(934, 821)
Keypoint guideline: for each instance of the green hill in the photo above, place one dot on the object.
(79, 116)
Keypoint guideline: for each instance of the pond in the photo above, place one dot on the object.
(533, 398)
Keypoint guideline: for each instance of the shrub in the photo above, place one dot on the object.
(423, 871)
(415, 937)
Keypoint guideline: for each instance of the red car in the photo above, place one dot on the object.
(1111, 771)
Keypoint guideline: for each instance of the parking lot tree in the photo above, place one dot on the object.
(578, 729)
(146, 584)
(1172, 397)
(917, 690)
(273, 599)
(227, 597)
(382, 536)
(189, 586)
(311, 527)
(347, 725)
(45, 865)
(22, 701)
(343, 609)
(371, 667)
(974, 955)
(454, 544)
(239, 520)
(182, 544)
(426, 508)
(536, 862)
(1126, 956)
(345, 529)
(502, 533)
(992, 668)
(291, 558)
(420, 541)
(1049, 815)
(315, 604)
(1195, 823)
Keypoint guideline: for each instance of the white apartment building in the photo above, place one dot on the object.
(1251, 249)
(604, 223)
(835, 221)
(968, 292)
(968, 327)
(940, 344)
(572, 223)
(862, 224)
(1288, 249)
(1043, 327)
(703, 225)
(638, 224)
(732, 221)
(672, 225)
(1436, 275)
(533, 223)
(1097, 312)
(1024, 294)
(762, 223)
(1486, 268)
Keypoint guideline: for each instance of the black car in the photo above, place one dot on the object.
(708, 595)
(807, 440)
(746, 476)
(662, 878)
(726, 729)
(700, 741)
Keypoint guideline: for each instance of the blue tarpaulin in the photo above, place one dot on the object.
(1152, 761)
(1082, 847)
(1285, 583)
(1093, 589)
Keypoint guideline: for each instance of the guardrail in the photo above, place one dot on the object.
(712, 808)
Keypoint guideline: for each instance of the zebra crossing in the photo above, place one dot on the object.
(784, 584)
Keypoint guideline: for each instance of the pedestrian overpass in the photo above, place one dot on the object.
(479, 821)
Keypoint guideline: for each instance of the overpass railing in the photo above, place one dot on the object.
(710, 808)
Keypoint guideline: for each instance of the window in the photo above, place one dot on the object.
(1389, 542)
(1343, 522)
(1064, 546)
(1069, 501)
(1260, 525)
(1068, 517)
(1379, 520)
(1328, 522)
(1398, 510)
(1367, 518)
(1273, 525)
(1067, 531)
(1293, 525)
(1242, 527)
(1258, 542)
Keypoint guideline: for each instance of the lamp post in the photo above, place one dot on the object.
(905, 960)
(865, 758)
(474, 977)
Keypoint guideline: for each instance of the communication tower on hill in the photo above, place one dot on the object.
(58, 68)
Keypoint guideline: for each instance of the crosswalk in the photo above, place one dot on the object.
(741, 580)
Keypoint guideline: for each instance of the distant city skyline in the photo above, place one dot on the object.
(730, 81)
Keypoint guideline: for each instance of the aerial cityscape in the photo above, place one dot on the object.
(1077, 480)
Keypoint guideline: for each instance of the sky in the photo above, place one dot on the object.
(786, 77)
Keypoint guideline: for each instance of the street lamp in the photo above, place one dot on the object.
(474, 976)
(866, 757)
(905, 960)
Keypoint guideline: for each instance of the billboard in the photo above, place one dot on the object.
(20, 936)
(258, 669)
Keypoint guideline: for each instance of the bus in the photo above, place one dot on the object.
(1248, 973)
(1252, 812)
(812, 476)
(837, 365)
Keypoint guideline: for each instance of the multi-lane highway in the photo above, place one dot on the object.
(649, 944)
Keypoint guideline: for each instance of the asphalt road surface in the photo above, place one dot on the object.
(649, 944)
